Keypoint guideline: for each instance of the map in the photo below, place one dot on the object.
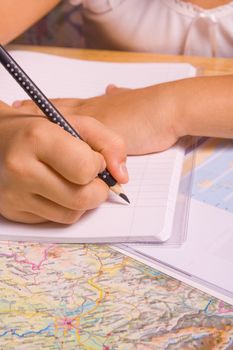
(88, 297)
(213, 179)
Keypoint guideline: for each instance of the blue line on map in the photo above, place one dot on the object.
(199, 336)
(207, 306)
(13, 332)
(3, 334)
(154, 273)
(83, 308)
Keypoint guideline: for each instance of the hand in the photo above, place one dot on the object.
(143, 117)
(47, 174)
(154, 118)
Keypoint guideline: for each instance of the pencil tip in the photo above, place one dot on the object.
(122, 195)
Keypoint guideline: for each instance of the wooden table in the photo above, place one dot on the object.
(208, 66)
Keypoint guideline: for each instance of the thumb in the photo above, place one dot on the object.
(105, 141)
(112, 89)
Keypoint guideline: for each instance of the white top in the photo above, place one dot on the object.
(162, 26)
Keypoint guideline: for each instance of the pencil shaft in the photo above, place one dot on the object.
(46, 106)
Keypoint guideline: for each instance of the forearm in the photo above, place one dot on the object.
(204, 106)
(16, 16)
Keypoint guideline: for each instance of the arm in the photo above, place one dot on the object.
(205, 106)
(153, 118)
(17, 16)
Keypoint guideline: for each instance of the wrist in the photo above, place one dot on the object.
(189, 104)
(204, 106)
(169, 97)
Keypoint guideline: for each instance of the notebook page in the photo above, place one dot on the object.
(152, 205)
(150, 214)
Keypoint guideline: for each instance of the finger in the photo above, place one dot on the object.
(106, 142)
(66, 194)
(24, 217)
(32, 109)
(43, 182)
(72, 158)
(50, 211)
(67, 102)
(28, 106)
(112, 89)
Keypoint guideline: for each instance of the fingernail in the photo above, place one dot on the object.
(17, 104)
(103, 167)
(123, 170)
(110, 86)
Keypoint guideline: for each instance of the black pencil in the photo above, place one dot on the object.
(50, 111)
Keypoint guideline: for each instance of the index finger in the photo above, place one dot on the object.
(29, 107)
(72, 158)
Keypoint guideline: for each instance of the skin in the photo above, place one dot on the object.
(152, 119)
(208, 4)
(48, 175)
(12, 24)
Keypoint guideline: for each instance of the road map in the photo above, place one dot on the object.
(88, 297)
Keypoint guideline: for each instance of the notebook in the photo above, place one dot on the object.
(154, 179)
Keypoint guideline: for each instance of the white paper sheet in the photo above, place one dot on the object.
(206, 258)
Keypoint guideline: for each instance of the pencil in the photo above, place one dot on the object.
(50, 111)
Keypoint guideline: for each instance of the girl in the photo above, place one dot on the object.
(195, 27)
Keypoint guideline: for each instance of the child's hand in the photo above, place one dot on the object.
(47, 174)
(143, 117)
(154, 118)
